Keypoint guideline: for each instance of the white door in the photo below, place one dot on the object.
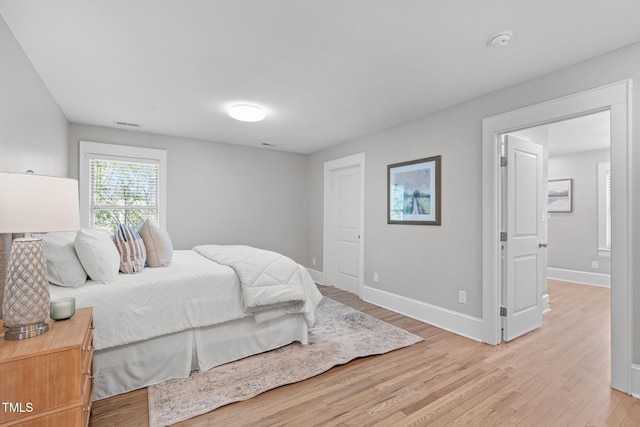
(346, 228)
(523, 272)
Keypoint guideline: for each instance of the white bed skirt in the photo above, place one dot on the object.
(141, 364)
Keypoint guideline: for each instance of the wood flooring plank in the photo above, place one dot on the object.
(633, 416)
(454, 404)
(390, 397)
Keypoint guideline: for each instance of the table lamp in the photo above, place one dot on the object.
(32, 203)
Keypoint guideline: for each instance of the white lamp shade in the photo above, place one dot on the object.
(36, 203)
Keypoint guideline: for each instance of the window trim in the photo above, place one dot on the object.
(603, 249)
(120, 152)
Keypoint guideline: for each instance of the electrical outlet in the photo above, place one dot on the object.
(375, 277)
(313, 261)
(594, 264)
(462, 297)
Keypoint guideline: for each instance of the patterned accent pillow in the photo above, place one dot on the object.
(131, 248)
(158, 245)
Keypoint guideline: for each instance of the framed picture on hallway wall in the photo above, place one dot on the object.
(413, 192)
(560, 195)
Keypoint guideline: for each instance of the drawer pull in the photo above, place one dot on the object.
(87, 409)
(88, 348)
(87, 373)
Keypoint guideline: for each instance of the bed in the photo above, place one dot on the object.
(164, 323)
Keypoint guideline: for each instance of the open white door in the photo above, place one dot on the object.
(523, 272)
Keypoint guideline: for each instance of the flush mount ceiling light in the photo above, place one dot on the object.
(247, 113)
(501, 39)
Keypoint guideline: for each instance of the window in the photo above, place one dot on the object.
(604, 208)
(121, 185)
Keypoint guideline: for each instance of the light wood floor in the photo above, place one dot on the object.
(555, 376)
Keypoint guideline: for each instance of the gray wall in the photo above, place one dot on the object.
(573, 236)
(431, 263)
(33, 130)
(220, 193)
(419, 262)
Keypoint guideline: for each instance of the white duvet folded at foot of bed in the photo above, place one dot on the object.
(271, 283)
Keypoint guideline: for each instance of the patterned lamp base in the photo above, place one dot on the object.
(26, 293)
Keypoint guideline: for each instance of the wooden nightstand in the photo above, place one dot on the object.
(48, 380)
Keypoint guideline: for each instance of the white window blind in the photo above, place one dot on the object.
(123, 192)
(608, 190)
(604, 208)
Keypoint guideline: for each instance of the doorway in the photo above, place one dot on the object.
(343, 254)
(569, 233)
(614, 98)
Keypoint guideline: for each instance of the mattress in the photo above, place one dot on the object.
(192, 292)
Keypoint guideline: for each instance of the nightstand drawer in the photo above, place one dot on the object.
(69, 417)
(87, 402)
(87, 354)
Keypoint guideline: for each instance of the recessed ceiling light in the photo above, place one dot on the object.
(247, 113)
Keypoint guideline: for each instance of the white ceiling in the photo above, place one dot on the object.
(586, 133)
(592, 132)
(325, 71)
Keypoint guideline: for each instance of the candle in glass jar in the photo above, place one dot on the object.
(63, 308)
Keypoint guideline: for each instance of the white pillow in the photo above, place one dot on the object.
(63, 266)
(98, 254)
(158, 245)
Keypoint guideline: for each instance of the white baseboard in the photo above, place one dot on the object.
(635, 381)
(317, 276)
(583, 277)
(452, 321)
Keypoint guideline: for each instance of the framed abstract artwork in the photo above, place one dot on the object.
(413, 192)
(560, 195)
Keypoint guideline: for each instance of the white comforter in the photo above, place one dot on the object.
(192, 292)
(271, 283)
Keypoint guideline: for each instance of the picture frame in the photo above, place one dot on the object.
(413, 192)
(560, 195)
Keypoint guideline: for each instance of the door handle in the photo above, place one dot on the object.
(543, 245)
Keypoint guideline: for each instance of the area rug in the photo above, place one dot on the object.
(340, 334)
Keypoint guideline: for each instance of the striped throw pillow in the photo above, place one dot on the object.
(131, 248)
